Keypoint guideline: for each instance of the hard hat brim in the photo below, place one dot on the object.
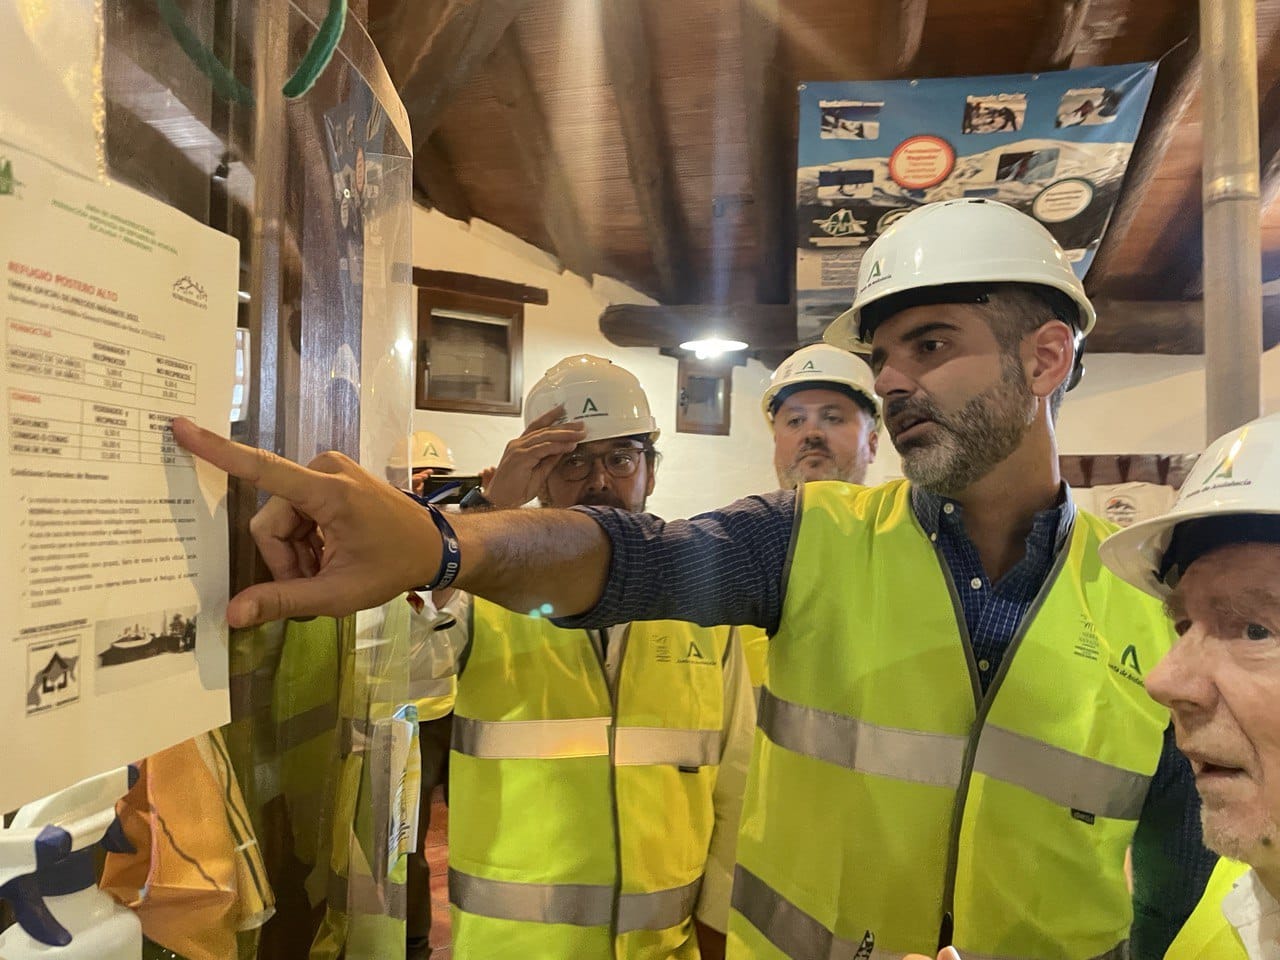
(1135, 553)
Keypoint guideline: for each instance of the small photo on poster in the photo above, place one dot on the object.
(1028, 166)
(133, 650)
(850, 119)
(997, 113)
(1087, 106)
(845, 184)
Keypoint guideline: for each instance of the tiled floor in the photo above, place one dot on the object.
(438, 860)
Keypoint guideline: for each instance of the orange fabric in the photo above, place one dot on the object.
(182, 880)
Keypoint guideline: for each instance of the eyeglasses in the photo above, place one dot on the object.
(620, 462)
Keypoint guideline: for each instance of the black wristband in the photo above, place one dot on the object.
(450, 554)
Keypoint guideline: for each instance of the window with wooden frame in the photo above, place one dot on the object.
(470, 353)
(704, 392)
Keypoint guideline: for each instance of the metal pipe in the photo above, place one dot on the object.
(1232, 241)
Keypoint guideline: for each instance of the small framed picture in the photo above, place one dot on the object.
(469, 353)
(704, 389)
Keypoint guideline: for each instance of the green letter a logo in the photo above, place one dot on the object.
(589, 406)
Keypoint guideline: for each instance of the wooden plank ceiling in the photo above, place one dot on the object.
(655, 142)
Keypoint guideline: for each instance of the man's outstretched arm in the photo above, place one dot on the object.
(337, 540)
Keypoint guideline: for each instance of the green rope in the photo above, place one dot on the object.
(226, 85)
(320, 52)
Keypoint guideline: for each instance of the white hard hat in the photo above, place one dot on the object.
(969, 241)
(425, 450)
(818, 365)
(595, 392)
(1239, 474)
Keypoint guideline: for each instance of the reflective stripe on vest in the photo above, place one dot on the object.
(1065, 778)
(1060, 776)
(640, 746)
(855, 744)
(561, 739)
(1009, 809)
(582, 905)
(801, 937)
(531, 739)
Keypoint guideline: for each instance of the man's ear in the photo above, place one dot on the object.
(873, 442)
(651, 467)
(1048, 353)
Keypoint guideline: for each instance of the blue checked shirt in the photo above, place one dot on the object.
(727, 567)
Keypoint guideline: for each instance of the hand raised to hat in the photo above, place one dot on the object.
(529, 459)
(335, 538)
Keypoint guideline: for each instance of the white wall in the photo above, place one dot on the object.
(697, 473)
(1131, 403)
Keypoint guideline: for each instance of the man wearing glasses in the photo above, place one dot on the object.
(596, 777)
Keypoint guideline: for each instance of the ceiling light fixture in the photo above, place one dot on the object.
(708, 348)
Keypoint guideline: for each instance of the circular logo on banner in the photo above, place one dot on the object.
(918, 163)
(1062, 200)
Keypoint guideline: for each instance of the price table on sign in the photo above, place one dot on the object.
(48, 425)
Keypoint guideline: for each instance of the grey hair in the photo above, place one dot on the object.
(1015, 310)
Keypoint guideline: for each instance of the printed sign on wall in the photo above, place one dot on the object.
(1054, 145)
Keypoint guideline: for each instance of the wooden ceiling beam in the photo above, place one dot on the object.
(434, 173)
(1176, 86)
(1124, 326)
(763, 326)
(764, 94)
(902, 34)
(630, 64)
(531, 133)
(1269, 187)
(1063, 32)
(443, 52)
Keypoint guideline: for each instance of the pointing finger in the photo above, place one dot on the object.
(262, 468)
(281, 599)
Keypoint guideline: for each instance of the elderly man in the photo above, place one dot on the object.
(598, 775)
(1215, 559)
(951, 749)
(821, 406)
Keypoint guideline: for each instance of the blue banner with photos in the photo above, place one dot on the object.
(1054, 145)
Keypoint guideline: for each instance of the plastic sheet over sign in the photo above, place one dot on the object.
(51, 100)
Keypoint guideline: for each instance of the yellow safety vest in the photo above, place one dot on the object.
(889, 799)
(1207, 934)
(580, 822)
(755, 650)
(349, 770)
